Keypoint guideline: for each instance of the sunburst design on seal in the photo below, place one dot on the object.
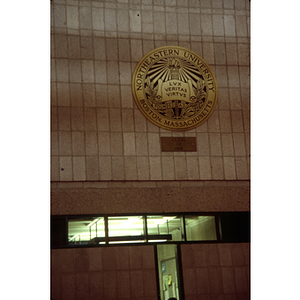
(174, 88)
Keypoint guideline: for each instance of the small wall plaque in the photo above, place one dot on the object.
(178, 144)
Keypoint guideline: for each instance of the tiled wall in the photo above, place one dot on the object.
(216, 271)
(98, 133)
(104, 273)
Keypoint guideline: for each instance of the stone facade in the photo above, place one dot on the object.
(99, 134)
(106, 156)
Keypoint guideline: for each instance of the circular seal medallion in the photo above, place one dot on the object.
(174, 88)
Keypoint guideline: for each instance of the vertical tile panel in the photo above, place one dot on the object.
(112, 72)
(171, 22)
(228, 280)
(92, 168)
(239, 144)
(202, 281)
(63, 94)
(110, 20)
(111, 49)
(135, 21)
(89, 95)
(115, 123)
(82, 285)
(159, 22)
(65, 142)
(59, 16)
(118, 172)
(104, 143)
(231, 52)
(96, 285)
(194, 24)
(79, 173)
(202, 144)
(105, 168)
(87, 71)
(55, 168)
(99, 45)
(110, 284)
(123, 284)
(168, 168)
(149, 278)
(129, 143)
(97, 18)
(189, 281)
(127, 120)
(124, 50)
(205, 168)
(215, 144)
(180, 168)
(217, 168)
(225, 121)
(116, 141)
(154, 144)
(137, 290)
(237, 121)
(73, 46)
(68, 286)
(227, 144)
(113, 93)
(155, 168)
(91, 147)
(75, 70)
(61, 45)
(143, 168)
(241, 282)
(101, 95)
(229, 168)
(235, 98)
(126, 96)
(130, 166)
(90, 119)
(95, 259)
(76, 94)
(215, 279)
(229, 25)
(86, 49)
(183, 21)
(192, 168)
(206, 24)
(122, 20)
(218, 25)
(85, 17)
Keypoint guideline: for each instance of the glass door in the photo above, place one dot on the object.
(168, 270)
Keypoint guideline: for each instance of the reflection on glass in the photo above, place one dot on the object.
(164, 228)
(89, 230)
(199, 228)
(127, 229)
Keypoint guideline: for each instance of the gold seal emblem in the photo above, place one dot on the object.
(174, 88)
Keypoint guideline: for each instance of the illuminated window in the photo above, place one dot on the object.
(89, 230)
(164, 228)
(129, 229)
(199, 228)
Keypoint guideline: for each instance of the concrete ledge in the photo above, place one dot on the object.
(119, 200)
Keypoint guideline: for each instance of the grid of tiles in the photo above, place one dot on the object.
(98, 133)
(104, 273)
(216, 271)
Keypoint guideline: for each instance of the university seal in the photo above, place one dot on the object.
(174, 88)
